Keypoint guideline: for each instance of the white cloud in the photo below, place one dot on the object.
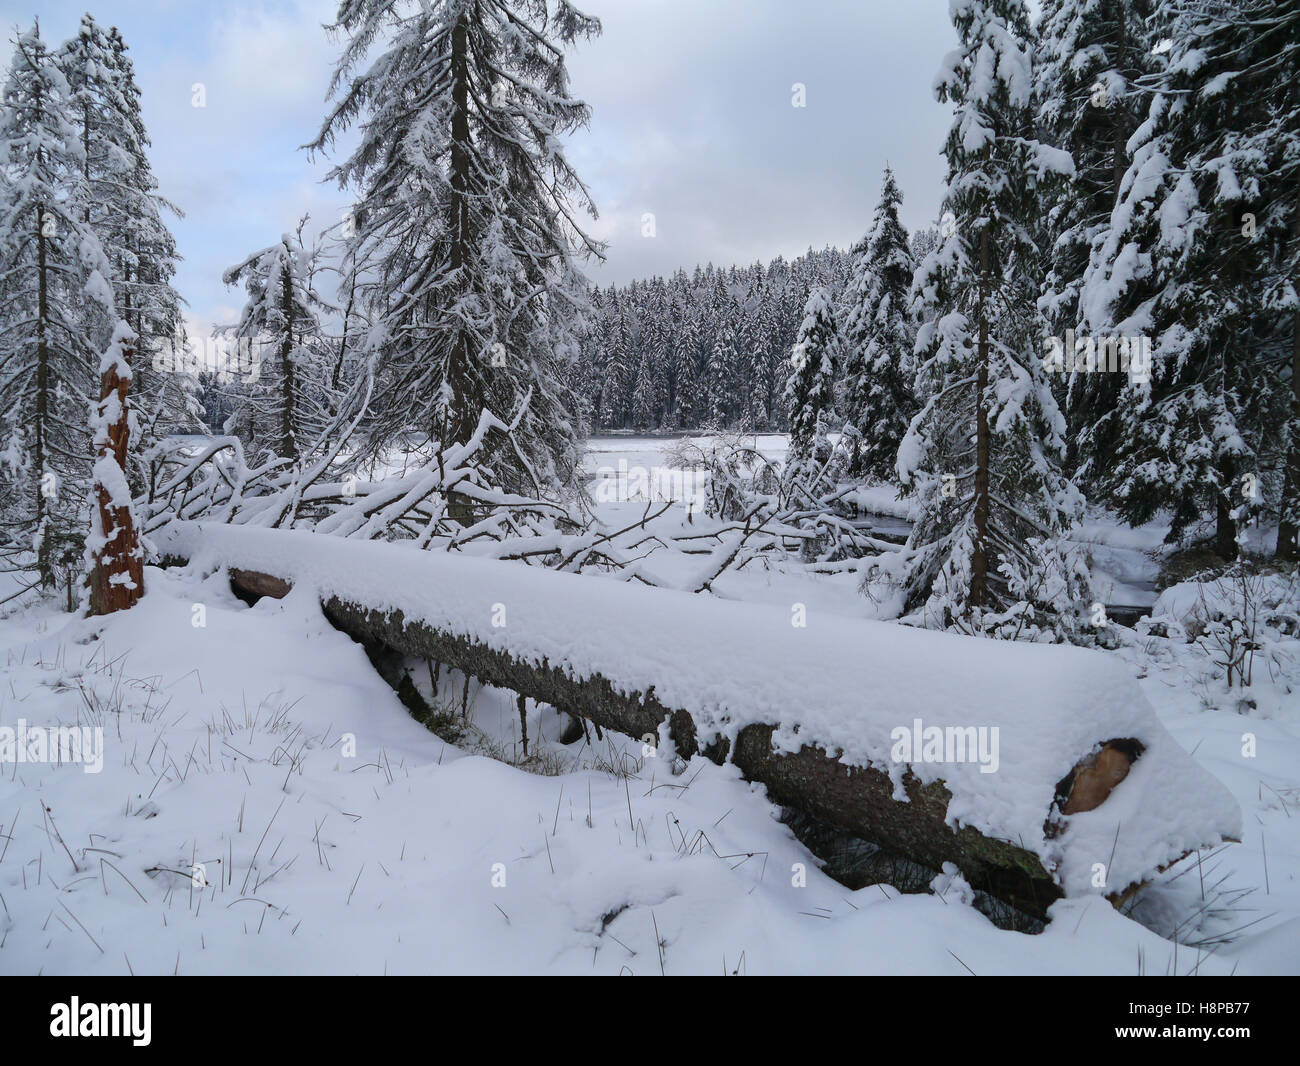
(692, 121)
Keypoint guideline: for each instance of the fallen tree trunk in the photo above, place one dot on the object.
(1005, 770)
(858, 800)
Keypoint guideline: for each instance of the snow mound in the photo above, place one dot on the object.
(1266, 596)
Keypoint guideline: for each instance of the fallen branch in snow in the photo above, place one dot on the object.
(755, 511)
(449, 503)
(800, 509)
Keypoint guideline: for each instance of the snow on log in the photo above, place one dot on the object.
(1040, 770)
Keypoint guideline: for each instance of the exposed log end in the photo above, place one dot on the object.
(1086, 787)
(250, 585)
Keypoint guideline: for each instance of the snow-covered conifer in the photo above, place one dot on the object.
(879, 334)
(981, 459)
(285, 406)
(467, 234)
(1091, 60)
(54, 288)
(810, 388)
(1198, 258)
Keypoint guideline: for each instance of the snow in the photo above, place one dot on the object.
(114, 357)
(846, 685)
(226, 743)
(99, 290)
(879, 500)
(109, 476)
(196, 725)
(256, 798)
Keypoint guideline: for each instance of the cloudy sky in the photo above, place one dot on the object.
(693, 121)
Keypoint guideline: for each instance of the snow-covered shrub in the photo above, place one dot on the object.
(1240, 618)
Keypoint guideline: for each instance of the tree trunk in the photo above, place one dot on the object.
(522, 702)
(44, 554)
(1288, 530)
(1231, 488)
(979, 557)
(857, 800)
(117, 577)
(288, 442)
(85, 153)
(1225, 526)
(337, 376)
(459, 422)
(1119, 131)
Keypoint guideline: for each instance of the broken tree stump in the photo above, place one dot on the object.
(116, 577)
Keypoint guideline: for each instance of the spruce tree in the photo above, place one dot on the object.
(762, 378)
(127, 214)
(1091, 60)
(719, 375)
(54, 291)
(810, 388)
(689, 401)
(1199, 258)
(656, 343)
(879, 333)
(619, 375)
(982, 458)
(467, 235)
(643, 394)
(284, 408)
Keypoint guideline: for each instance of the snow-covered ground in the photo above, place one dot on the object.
(336, 835)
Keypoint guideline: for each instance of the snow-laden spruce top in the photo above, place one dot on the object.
(840, 683)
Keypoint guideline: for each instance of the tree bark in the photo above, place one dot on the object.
(288, 442)
(1288, 530)
(459, 422)
(979, 557)
(1119, 131)
(522, 702)
(44, 554)
(1225, 526)
(117, 577)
